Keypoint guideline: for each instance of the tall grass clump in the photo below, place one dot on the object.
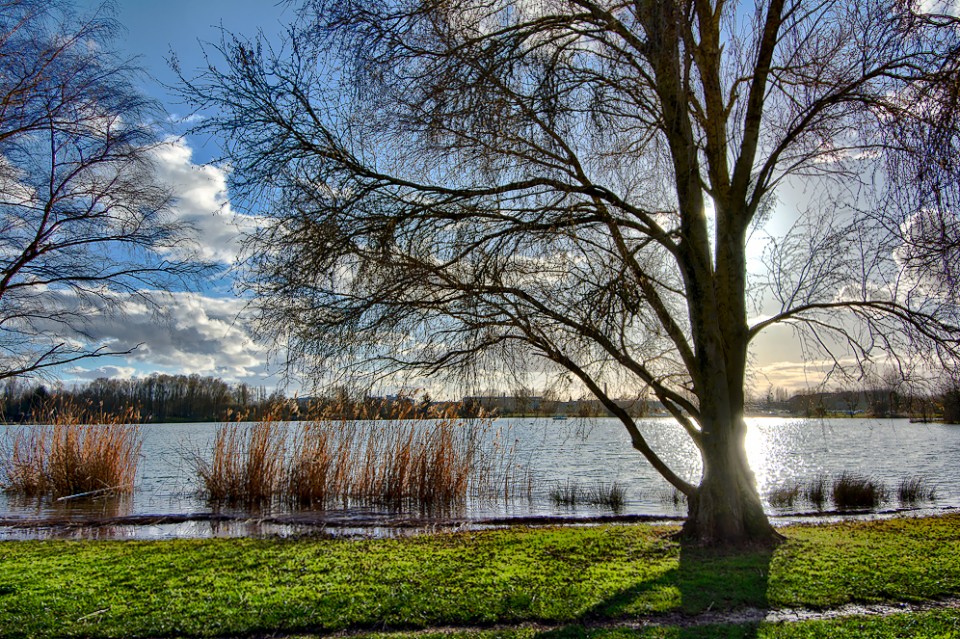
(853, 492)
(612, 495)
(425, 463)
(246, 464)
(79, 452)
(785, 496)
(568, 494)
(849, 491)
(571, 493)
(816, 491)
(915, 490)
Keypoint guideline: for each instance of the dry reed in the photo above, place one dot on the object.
(785, 496)
(500, 474)
(78, 453)
(915, 490)
(244, 467)
(852, 492)
(427, 464)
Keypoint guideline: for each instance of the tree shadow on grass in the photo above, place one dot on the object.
(722, 594)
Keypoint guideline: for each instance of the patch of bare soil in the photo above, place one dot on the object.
(745, 616)
(783, 615)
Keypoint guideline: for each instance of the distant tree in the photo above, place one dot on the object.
(882, 390)
(574, 182)
(951, 402)
(524, 402)
(548, 402)
(156, 398)
(851, 401)
(588, 407)
(83, 221)
(470, 408)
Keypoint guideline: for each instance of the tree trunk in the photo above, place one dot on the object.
(726, 509)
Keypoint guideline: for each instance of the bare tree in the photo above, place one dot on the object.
(83, 221)
(950, 399)
(455, 184)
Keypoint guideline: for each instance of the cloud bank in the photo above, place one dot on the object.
(202, 202)
(184, 332)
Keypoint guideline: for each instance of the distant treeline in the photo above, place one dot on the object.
(883, 402)
(192, 398)
(157, 398)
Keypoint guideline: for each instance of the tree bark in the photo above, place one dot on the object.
(726, 509)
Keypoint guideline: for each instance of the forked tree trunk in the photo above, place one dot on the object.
(726, 509)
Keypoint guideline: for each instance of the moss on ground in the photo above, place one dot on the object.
(244, 587)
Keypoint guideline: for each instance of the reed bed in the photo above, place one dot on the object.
(571, 494)
(854, 492)
(244, 467)
(849, 491)
(915, 490)
(78, 453)
(785, 496)
(424, 463)
(429, 464)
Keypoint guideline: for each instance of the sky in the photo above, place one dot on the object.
(204, 331)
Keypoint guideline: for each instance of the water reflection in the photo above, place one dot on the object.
(97, 506)
(546, 453)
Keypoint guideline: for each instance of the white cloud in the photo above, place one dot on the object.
(942, 7)
(12, 189)
(192, 118)
(175, 331)
(202, 201)
(180, 332)
(929, 256)
(795, 376)
(195, 334)
(111, 372)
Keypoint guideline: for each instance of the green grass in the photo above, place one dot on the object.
(232, 587)
(928, 625)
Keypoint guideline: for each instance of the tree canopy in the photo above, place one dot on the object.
(84, 222)
(491, 183)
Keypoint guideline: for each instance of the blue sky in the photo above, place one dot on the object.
(154, 29)
(205, 331)
(201, 331)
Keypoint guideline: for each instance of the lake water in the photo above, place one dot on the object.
(550, 453)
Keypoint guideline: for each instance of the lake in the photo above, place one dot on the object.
(551, 454)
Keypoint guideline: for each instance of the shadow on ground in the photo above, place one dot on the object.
(722, 594)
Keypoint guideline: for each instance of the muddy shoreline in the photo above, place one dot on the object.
(209, 524)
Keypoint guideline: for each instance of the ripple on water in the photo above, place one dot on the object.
(587, 452)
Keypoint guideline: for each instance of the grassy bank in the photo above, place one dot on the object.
(565, 576)
(927, 625)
